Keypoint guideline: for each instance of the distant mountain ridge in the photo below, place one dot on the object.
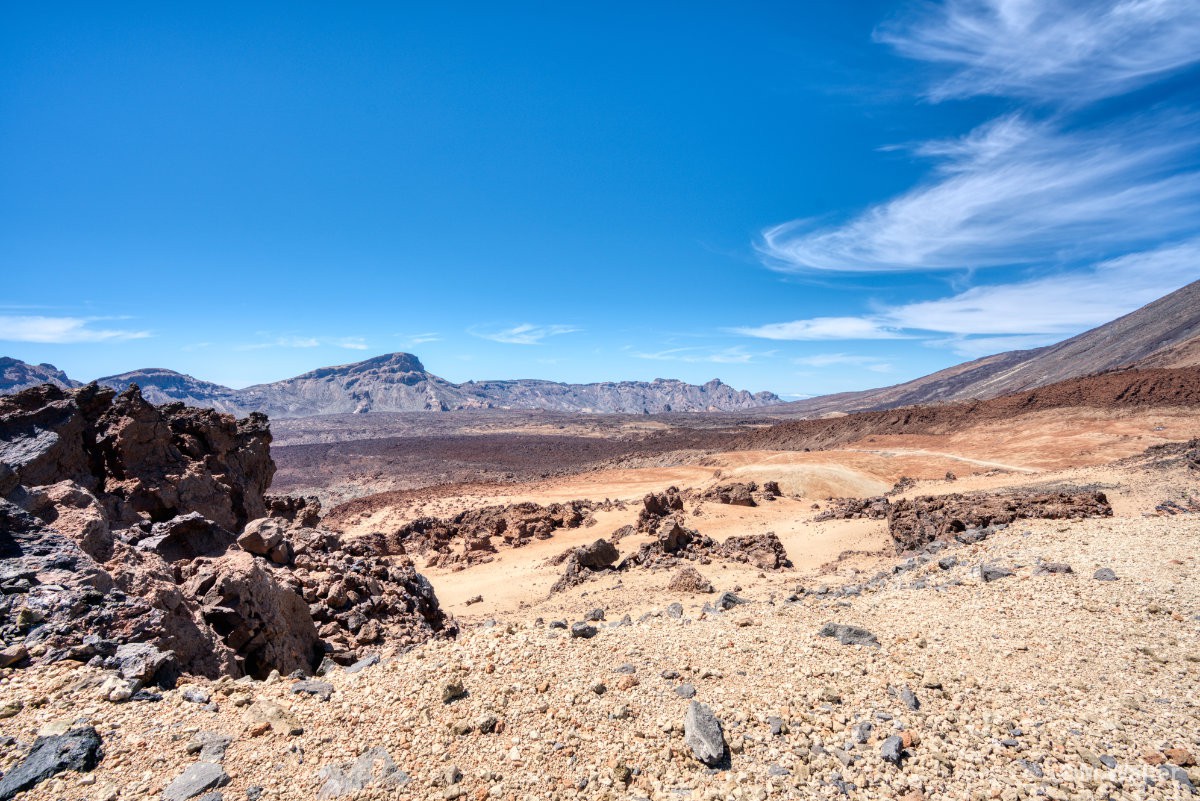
(398, 382)
(16, 375)
(1163, 333)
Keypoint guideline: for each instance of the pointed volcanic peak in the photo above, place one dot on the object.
(16, 375)
(160, 385)
(1164, 333)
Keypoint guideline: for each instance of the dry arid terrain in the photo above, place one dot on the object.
(936, 605)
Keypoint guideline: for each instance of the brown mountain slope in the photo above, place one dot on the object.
(1126, 389)
(1160, 334)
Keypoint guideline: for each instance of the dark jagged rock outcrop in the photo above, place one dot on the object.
(119, 530)
(142, 462)
(674, 543)
(876, 508)
(658, 506)
(915, 522)
(473, 536)
(580, 563)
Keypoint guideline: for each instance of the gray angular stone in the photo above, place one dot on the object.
(849, 635)
(685, 691)
(892, 750)
(703, 734)
(1179, 776)
(1105, 574)
(906, 696)
(373, 769)
(727, 600)
(990, 573)
(675, 611)
(366, 662)
(209, 745)
(196, 695)
(452, 691)
(140, 662)
(198, 778)
(78, 749)
(321, 689)
(583, 631)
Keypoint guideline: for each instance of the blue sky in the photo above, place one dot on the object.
(801, 197)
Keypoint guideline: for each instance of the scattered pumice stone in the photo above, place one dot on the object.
(1105, 574)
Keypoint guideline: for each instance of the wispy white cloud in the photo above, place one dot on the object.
(976, 347)
(523, 334)
(1048, 50)
(62, 330)
(412, 340)
(1062, 303)
(731, 355)
(819, 328)
(1017, 192)
(350, 343)
(1020, 314)
(872, 363)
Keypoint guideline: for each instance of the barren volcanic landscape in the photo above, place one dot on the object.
(488, 401)
(995, 598)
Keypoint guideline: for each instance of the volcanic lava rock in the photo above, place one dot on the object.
(914, 522)
(268, 625)
(117, 529)
(78, 749)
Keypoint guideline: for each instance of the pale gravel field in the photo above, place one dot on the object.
(1087, 672)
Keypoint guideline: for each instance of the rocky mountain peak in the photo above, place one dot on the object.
(16, 375)
(388, 363)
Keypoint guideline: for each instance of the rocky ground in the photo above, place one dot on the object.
(1002, 655)
(1039, 683)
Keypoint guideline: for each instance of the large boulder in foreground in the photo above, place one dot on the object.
(140, 461)
(266, 624)
(119, 530)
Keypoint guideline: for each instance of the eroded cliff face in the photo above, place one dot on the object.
(124, 523)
